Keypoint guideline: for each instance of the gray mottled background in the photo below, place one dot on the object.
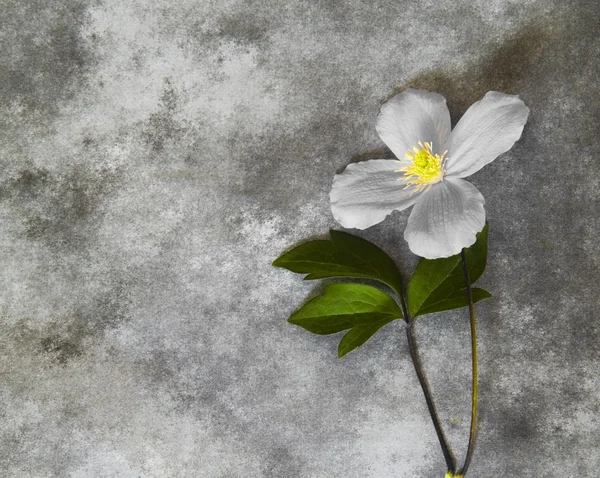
(157, 155)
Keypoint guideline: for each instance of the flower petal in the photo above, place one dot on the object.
(445, 219)
(366, 192)
(413, 116)
(489, 128)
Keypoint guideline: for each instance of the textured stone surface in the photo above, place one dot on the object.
(158, 155)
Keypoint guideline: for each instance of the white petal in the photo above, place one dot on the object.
(413, 116)
(445, 219)
(366, 192)
(489, 128)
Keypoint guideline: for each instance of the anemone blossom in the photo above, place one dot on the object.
(448, 211)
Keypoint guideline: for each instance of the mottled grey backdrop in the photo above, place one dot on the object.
(157, 155)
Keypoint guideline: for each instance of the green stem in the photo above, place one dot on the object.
(473, 320)
(414, 354)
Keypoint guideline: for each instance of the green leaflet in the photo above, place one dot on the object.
(344, 306)
(439, 284)
(361, 308)
(455, 300)
(345, 255)
(358, 335)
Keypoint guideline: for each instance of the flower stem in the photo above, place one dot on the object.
(414, 354)
(473, 320)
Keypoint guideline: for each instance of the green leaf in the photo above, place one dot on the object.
(345, 255)
(436, 283)
(358, 336)
(455, 300)
(344, 306)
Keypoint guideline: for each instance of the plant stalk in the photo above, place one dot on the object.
(414, 354)
(473, 320)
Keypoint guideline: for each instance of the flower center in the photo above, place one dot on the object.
(425, 169)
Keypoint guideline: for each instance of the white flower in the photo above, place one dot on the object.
(448, 211)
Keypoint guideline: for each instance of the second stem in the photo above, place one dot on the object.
(473, 320)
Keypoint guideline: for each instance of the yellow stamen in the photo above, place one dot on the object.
(426, 168)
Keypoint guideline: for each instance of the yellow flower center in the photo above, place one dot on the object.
(425, 169)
